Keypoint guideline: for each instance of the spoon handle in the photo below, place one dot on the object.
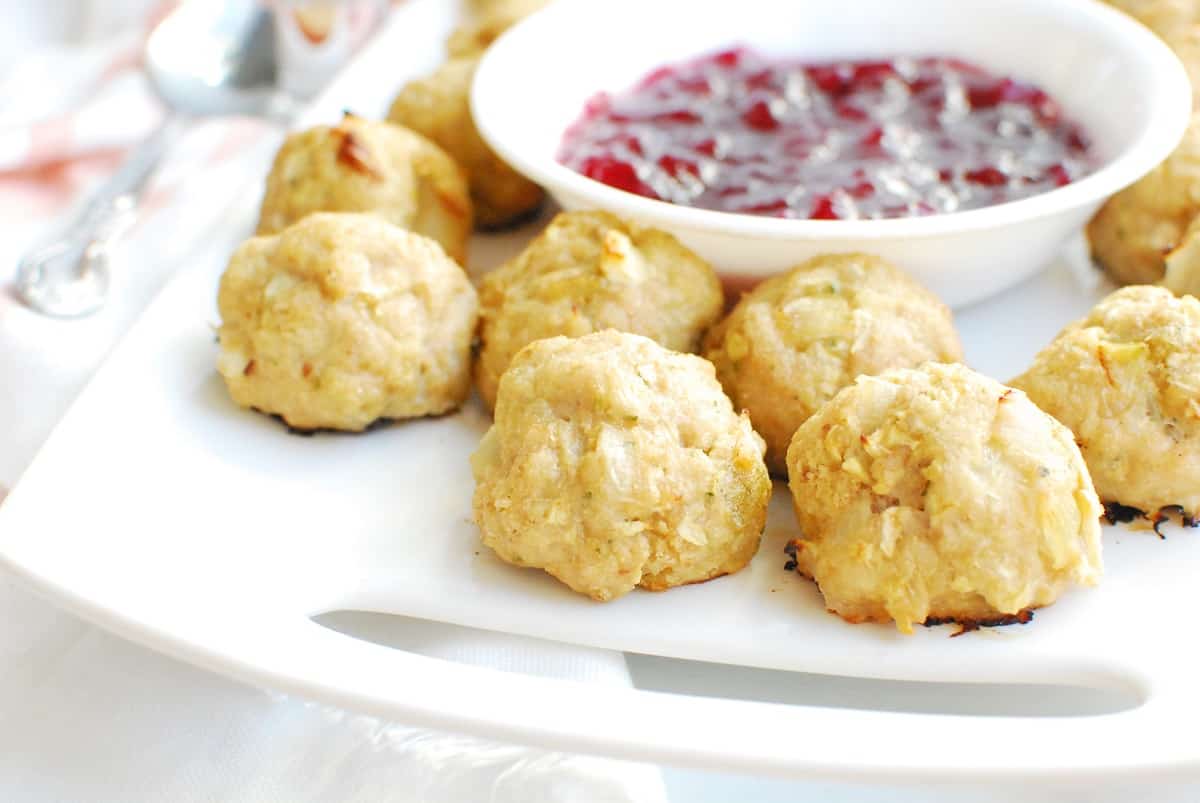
(134, 174)
(67, 275)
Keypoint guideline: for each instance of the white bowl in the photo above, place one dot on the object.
(1110, 74)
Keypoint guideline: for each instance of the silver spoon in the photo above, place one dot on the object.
(206, 58)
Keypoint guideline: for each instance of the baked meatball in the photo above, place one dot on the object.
(1133, 231)
(935, 493)
(1126, 381)
(343, 319)
(614, 463)
(1138, 225)
(438, 107)
(590, 271)
(491, 18)
(366, 166)
(798, 338)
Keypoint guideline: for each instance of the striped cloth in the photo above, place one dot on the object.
(75, 100)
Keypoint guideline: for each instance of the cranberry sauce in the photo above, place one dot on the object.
(738, 132)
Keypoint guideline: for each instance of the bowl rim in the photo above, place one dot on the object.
(1162, 131)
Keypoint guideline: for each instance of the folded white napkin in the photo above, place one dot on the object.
(87, 716)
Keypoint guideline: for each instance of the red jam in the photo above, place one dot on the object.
(738, 132)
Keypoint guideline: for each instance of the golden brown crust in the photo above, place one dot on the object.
(1138, 227)
(1023, 617)
(797, 339)
(614, 463)
(1133, 233)
(342, 320)
(936, 492)
(438, 107)
(589, 271)
(1124, 380)
(366, 166)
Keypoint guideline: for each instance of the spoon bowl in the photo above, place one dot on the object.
(231, 69)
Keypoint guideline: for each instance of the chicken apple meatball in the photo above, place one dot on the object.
(343, 319)
(366, 166)
(590, 271)
(1126, 381)
(1133, 231)
(438, 107)
(934, 494)
(797, 339)
(614, 463)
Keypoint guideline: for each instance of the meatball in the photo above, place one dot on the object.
(935, 493)
(1137, 226)
(1126, 381)
(797, 339)
(590, 271)
(614, 463)
(366, 166)
(343, 319)
(492, 18)
(438, 107)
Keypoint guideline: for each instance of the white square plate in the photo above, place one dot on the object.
(163, 512)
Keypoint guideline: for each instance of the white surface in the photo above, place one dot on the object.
(1088, 56)
(178, 535)
(191, 494)
(90, 717)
